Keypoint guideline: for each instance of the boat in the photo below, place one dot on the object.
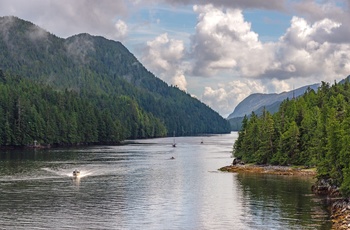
(174, 143)
(76, 173)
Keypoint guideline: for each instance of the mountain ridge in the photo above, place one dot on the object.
(93, 65)
(255, 102)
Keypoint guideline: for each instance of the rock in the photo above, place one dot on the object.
(325, 187)
(237, 161)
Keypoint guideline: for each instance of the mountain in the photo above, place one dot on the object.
(255, 102)
(258, 102)
(347, 79)
(95, 67)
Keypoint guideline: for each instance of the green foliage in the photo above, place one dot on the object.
(30, 111)
(312, 130)
(99, 69)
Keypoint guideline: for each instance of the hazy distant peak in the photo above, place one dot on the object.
(258, 100)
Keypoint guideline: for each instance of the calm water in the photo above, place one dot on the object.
(138, 186)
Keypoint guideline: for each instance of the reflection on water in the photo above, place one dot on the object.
(285, 198)
(138, 186)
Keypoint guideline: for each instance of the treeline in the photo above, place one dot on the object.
(30, 111)
(97, 68)
(311, 130)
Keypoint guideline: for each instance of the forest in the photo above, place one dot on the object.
(311, 130)
(101, 74)
(32, 112)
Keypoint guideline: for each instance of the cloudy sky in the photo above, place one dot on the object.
(219, 51)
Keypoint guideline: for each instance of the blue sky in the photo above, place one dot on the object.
(219, 51)
(270, 25)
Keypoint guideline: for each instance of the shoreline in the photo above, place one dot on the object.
(270, 169)
(339, 207)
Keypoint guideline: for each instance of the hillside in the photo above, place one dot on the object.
(311, 130)
(31, 112)
(258, 102)
(255, 102)
(93, 66)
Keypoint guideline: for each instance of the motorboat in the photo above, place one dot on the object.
(76, 173)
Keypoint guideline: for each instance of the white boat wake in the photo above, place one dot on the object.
(84, 172)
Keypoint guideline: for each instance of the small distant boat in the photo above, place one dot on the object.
(76, 173)
(174, 143)
(172, 158)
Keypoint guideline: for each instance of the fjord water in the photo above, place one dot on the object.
(138, 186)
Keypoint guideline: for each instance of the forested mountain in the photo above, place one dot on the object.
(96, 69)
(32, 112)
(312, 130)
(258, 102)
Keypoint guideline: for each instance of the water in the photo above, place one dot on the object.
(138, 186)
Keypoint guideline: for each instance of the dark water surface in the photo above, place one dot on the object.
(138, 186)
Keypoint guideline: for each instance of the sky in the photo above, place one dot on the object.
(219, 51)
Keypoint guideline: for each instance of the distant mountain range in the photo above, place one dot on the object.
(93, 66)
(258, 101)
(255, 102)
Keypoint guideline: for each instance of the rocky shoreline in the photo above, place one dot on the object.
(269, 169)
(339, 206)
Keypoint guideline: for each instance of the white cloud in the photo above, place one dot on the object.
(338, 11)
(66, 18)
(223, 40)
(225, 97)
(122, 30)
(302, 32)
(306, 51)
(179, 80)
(164, 57)
(278, 86)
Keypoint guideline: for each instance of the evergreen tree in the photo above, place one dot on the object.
(311, 130)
